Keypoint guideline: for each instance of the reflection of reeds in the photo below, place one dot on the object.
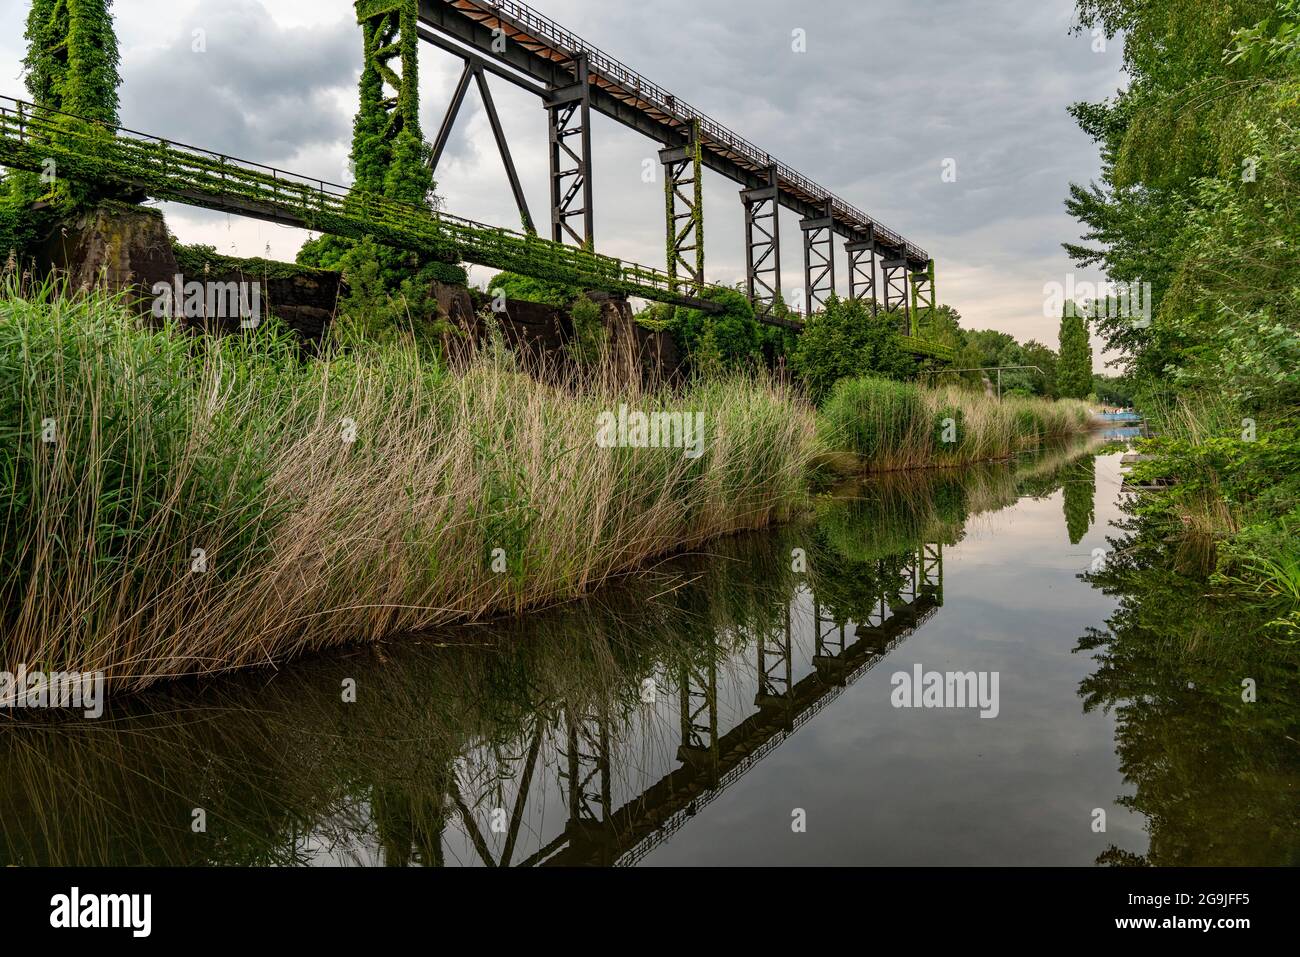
(275, 760)
(166, 445)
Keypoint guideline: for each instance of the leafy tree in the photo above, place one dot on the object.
(1079, 498)
(1074, 367)
(1043, 383)
(713, 341)
(1200, 180)
(844, 340)
(1112, 390)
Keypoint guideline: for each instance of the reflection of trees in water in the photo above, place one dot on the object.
(1080, 496)
(444, 735)
(1217, 778)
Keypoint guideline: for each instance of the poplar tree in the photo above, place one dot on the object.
(1074, 367)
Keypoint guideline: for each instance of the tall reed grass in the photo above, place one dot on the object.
(174, 505)
(886, 425)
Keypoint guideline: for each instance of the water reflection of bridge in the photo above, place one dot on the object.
(709, 762)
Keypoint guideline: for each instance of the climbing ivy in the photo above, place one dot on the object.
(72, 70)
(390, 159)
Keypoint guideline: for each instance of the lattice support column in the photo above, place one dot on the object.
(775, 666)
(586, 774)
(763, 244)
(831, 640)
(819, 258)
(390, 96)
(569, 111)
(862, 269)
(897, 291)
(932, 570)
(684, 208)
(923, 297)
(699, 713)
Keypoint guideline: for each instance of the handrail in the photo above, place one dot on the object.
(189, 173)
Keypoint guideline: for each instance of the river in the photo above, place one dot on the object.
(740, 705)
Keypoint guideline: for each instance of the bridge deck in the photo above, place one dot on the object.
(30, 137)
(542, 50)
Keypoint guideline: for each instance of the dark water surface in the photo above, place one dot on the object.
(734, 707)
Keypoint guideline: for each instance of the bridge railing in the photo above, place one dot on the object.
(170, 169)
(167, 169)
(546, 29)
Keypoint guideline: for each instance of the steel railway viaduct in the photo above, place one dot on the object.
(573, 79)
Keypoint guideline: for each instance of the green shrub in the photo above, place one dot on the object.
(845, 340)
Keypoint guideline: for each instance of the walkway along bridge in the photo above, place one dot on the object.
(512, 41)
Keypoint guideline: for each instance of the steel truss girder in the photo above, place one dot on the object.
(819, 258)
(532, 63)
(569, 112)
(684, 210)
(763, 244)
(897, 292)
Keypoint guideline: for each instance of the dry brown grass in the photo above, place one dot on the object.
(312, 541)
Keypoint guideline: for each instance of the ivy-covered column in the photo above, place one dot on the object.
(71, 68)
(923, 297)
(389, 155)
(684, 209)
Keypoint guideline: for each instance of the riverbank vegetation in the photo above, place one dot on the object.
(1200, 197)
(176, 504)
(886, 425)
(179, 504)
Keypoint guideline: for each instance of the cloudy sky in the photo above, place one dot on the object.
(885, 94)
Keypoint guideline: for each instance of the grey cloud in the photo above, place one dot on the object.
(260, 91)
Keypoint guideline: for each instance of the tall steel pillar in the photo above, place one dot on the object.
(862, 269)
(390, 56)
(775, 666)
(586, 776)
(932, 570)
(699, 714)
(763, 244)
(923, 299)
(831, 640)
(569, 110)
(897, 290)
(819, 258)
(684, 206)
